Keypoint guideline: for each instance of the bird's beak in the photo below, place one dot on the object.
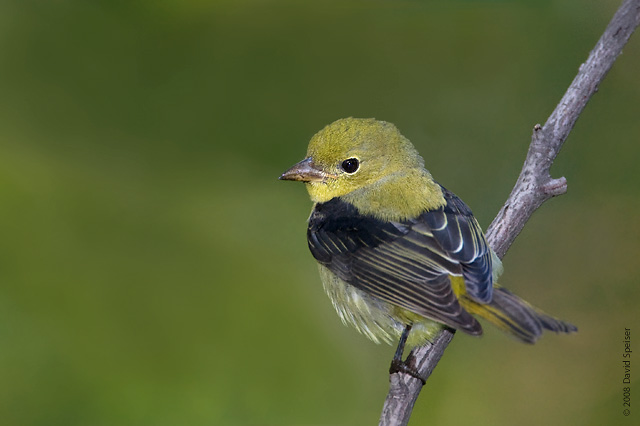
(306, 171)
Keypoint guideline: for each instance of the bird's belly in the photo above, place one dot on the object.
(380, 321)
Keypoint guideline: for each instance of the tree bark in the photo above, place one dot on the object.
(533, 187)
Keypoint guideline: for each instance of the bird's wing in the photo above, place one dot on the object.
(405, 263)
(461, 238)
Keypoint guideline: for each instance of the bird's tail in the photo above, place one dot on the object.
(515, 316)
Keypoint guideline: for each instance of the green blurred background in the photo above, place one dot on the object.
(154, 271)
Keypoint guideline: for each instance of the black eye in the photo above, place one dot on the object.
(350, 165)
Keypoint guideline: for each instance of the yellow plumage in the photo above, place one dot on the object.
(405, 190)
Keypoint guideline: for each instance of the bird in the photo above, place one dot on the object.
(400, 256)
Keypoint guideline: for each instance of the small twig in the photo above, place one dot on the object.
(534, 186)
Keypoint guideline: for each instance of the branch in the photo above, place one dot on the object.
(533, 187)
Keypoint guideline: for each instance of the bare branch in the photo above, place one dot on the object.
(533, 187)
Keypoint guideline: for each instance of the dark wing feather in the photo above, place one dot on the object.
(460, 235)
(405, 263)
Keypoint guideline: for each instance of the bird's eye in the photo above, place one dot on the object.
(350, 165)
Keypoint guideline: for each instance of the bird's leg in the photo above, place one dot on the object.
(403, 340)
(397, 365)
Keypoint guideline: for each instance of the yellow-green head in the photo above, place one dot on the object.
(370, 164)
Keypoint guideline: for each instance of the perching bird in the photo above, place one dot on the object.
(397, 251)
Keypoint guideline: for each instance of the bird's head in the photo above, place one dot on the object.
(350, 154)
(368, 163)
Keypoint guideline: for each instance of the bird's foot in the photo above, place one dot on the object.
(399, 366)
